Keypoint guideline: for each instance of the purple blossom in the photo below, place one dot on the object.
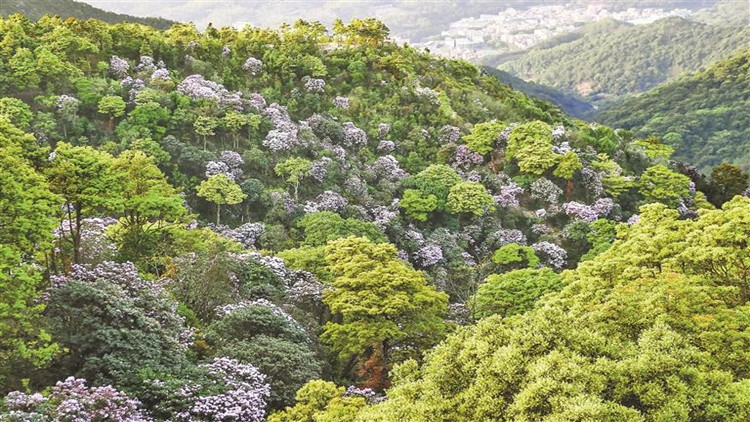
(305, 287)
(382, 215)
(134, 87)
(544, 190)
(319, 168)
(541, 213)
(146, 64)
(217, 167)
(284, 136)
(449, 134)
(244, 400)
(385, 147)
(225, 51)
(562, 148)
(67, 102)
(283, 197)
(580, 211)
(540, 229)
(256, 102)
(355, 187)
(558, 133)
(508, 197)
(253, 65)
(634, 219)
(551, 254)
(313, 85)
(160, 75)
(367, 393)
(72, 400)
(603, 206)
(326, 201)
(247, 234)
(341, 102)
(459, 313)
(199, 88)
(354, 137)
(388, 168)
(384, 129)
(592, 181)
(118, 67)
(506, 236)
(428, 255)
(465, 158)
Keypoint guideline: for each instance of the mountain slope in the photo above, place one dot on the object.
(705, 116)
(569, 104)
(35, 9)
(626, 59)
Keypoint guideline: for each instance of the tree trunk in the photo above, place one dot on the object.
(218, 214)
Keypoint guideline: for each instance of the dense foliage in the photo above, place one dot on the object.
(231, 224)
(703, 116)
(608, 59)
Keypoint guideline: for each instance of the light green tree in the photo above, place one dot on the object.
(113, 106)
(380, 304)
(530, 144)
(483, 136)
(27, 209)
(660, 184)
(416, 205)
(469, 197)
(84, 178)
(205, 126)
(294, 169)
(220, 190)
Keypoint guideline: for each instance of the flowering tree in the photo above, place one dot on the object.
(90, 305)
(73, 400)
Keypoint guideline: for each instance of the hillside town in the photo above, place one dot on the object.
(514, 30)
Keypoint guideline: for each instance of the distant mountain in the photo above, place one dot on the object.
(706, 116)
(570, 104)
(35, 9)
(610, 59)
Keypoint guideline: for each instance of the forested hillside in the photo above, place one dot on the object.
(570, 104)
(35, 9)
(609, 59)
(704, 116)
(240, 225)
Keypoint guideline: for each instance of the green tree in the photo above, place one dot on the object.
(294, 169)
(27, 209)
(437, 179)
(320, 400)
(530, 144)
(380, 303)
(469, 197)
(417, 206)
(647, 330)
(84, 178)
(150, 204)
(727, 181)
(514, 255)
(321, 227)
(483, 136)
(660, 184)
(220, 190)
(113, 106)
(568, 166)
(205, 126)
(514, 292)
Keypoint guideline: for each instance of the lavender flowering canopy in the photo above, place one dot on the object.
(72, 400)
(118, 67)
(253, 65)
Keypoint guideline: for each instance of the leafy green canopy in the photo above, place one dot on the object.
(653, 329)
